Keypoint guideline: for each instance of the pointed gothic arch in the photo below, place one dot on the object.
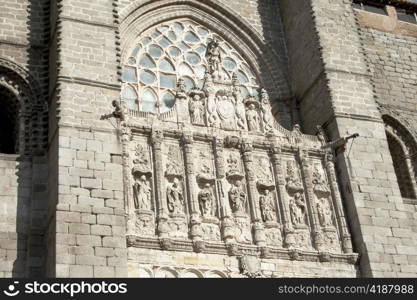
(24, 111)
(403, 148)
(142, 15)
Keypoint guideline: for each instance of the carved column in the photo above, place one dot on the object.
(129, 205)
(337, 202)
(258, 228)
(282, 195)
(160, 195)
(196, 231)
(308, 183)
(228, 228)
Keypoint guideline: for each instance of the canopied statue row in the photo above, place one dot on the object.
(213, 170)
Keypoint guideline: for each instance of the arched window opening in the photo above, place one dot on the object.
(177, 50)
(9, 125)
(401, 167)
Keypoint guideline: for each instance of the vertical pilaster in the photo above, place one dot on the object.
(307, 178)
(247, 152)
(337, 202)
(160, 194)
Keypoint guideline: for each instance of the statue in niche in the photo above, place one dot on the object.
(267, 206)
(320, 184)
(205, 200)
(141, 161)
(293, 182)
(196, 107)
(324, 213)
(181, 89)
(298, 210)
(252, 117)
(237, 198)
(266, 111)
(213, 56)
(175, 197)
(173, 159)
(233, 166)
(142, 193)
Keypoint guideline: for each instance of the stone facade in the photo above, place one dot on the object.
(207, 139)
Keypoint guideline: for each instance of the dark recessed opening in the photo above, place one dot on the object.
(406, 16)
(373, 7)
(8, 122)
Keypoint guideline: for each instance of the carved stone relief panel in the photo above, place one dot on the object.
(206, 192)
(300, 236)
(268, 200)
(142, 208)
(237, 195)
(324, 207)
(175, 189)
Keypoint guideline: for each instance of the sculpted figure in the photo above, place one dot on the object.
(298, 209)
(252, 117)
(323, 210)
(142, 193)
(237, 197)
(267, 206)
(205, 200)
(197, 110)
(181, 89)
(213, 56)
(175, 197)
(266, 113)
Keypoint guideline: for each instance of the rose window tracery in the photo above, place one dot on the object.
(173, 51)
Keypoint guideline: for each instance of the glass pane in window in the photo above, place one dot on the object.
(147, 62)
(155, 34)
(147, 77)
(129, 96)
(178, 27)
(202, 31)
(247, 70)
(148, 101)
(168, 100)
(129, 75)
(155, 51)
(191, 37)
(189, 83)
(131, 61)
(163, 28)
(255, 93)
(168, 81)
(166, 66)
(200, 70)
(146, 41)
(164, 42)
(375, 9)
(242, 77)
(184, 47)
(244, 92)
(406, 16)
(193, 58)
(229, 64)
(172, 36)
(174, 51)
(201, 49)
(136, 51)
(185, 70)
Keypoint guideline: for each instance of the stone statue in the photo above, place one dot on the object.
(181, 89)
(237, 198)
(205, 200)
(267, 206)
(252, 117)
(298, 209)
(175, 197)
(196, 107)
(319, 183)
(266, 111)
(213, 56)
(142, 193)
(324, 213)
